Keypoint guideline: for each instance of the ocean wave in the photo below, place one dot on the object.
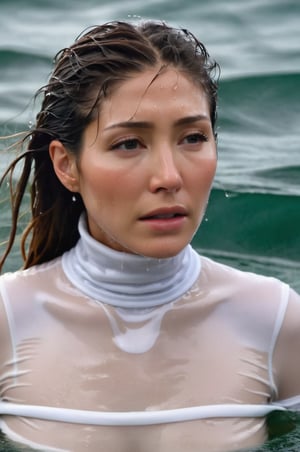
(257, 224)
(17, 57)
(259, 133)
(250, 101)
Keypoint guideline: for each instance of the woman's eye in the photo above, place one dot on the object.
(195, 138)
(130, 144)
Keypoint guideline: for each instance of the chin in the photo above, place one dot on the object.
(164, 252)
(161, 249)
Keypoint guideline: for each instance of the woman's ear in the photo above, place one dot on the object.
(64, 164)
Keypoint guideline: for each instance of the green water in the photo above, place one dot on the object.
(253, 217)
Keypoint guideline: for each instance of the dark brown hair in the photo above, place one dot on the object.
(83, 74)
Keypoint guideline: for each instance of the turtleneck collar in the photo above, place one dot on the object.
(128, 280)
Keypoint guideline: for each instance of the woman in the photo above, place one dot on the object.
(116, 335)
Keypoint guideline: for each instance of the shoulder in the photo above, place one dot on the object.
(22, 282)
(257, 299)
(25, 293)
(218, 274)
(251, 304)
(21, 297)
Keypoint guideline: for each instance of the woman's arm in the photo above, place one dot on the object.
(286, 359)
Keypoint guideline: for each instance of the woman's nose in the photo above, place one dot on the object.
(165, 172)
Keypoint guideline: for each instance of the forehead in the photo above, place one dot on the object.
(154, 90)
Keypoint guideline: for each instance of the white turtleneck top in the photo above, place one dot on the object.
(128, 280)
(103, 350)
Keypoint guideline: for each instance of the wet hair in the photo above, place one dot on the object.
(84, 74)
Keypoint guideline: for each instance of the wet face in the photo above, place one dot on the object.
(147, 165)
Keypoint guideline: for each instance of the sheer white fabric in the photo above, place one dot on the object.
(228, 344)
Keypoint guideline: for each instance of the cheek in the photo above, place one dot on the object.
(106, 187)
(211, 170)
(203, 178)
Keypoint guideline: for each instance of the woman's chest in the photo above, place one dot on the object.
(82, 362)
(175, 361)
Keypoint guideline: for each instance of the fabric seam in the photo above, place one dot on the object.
(285, 289)
(11, 324)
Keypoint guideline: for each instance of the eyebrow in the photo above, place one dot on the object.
(148, 125)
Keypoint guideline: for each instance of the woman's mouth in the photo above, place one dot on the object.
(165, 219)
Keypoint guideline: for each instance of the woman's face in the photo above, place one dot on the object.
(147, 164)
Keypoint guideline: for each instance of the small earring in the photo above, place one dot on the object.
(74, 199)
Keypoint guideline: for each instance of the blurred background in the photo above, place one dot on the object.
(254, 214)
(253, 218)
